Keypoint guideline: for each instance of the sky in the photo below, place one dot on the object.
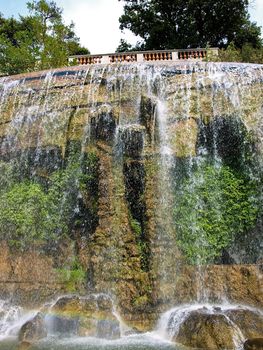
(96, 21)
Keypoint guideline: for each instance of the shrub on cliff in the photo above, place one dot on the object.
(213, 206)
(27, 215)
(32, 213)
(247, 54)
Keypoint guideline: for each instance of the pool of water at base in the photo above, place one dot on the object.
(138, 342)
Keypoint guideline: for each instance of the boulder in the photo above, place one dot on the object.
(64, 325)
(253, 344)
(108, 329)
(250, 322)
(132, 331)
(33, 330)
(24, 345)
(85, 316)
(219, 329)
(207, 331)
(74, 306)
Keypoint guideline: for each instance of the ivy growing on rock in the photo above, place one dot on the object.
(27, 215)
(32, 213)
(213, 206)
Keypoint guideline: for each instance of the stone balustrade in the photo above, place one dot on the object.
(145, 56)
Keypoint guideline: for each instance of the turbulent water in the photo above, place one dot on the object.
(140, 181)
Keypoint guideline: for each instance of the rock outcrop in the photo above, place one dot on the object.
(84, 316)
(253, 344)
(219, 329)
(33, 330)
(206, 331)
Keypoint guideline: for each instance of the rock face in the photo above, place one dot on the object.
(253, 344)
(33, 330)
(249, 322)
(206, 331)
(114, 143)
(31, 275)
(219, 329)
(84, 316)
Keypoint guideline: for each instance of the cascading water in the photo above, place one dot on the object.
(9, 315)
(141, 181)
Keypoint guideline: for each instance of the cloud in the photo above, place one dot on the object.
(256, 12)
(96, 23)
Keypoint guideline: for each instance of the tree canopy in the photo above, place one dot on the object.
(39, 40)
(164, 24)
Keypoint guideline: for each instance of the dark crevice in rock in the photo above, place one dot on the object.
(103, 126)
(147, 116)
(134, 179)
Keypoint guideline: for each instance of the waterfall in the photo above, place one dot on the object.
(142, 181)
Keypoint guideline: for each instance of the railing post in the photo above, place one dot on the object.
(140, 57)
(105, 59)
(174, 56)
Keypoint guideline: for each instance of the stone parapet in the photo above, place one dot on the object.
(145, 56)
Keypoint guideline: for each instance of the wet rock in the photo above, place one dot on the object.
(132, 331)
(104, 302)
(89, 316)
(24, 346)
(147, 115)
(217, 329)
(217, 308)
(108, 329)
(73, 306)
(207, 331)
(183, 138)
(132, 138)
(254, 344)
(33, 330)
(250, 322)
(103, 125)
(63, 325)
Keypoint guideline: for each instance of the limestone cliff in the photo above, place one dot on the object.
(95, 161)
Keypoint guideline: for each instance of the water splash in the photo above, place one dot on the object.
(12, 317)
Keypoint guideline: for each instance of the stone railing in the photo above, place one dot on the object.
(144, 56)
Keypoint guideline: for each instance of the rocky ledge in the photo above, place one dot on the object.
(217, 328)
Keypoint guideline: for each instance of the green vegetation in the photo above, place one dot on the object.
(136, 227)
(74, 277)
(246, 54)
(213, 207)
(38, 41)
(27, 214)
(31, 213)
(179, 24)
(140, 302)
